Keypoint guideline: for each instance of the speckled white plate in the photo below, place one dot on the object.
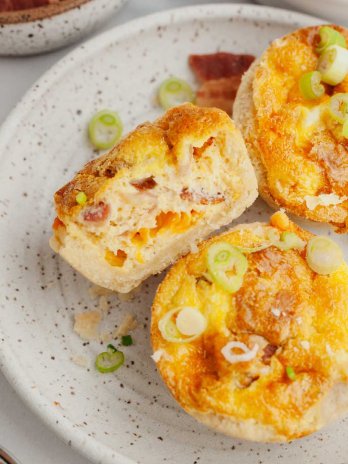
(129, 416)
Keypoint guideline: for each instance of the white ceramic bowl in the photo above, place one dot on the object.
(38, 30)
(331, 10)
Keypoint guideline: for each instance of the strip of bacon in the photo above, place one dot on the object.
(219, 93)
(219, 65)
(220, 75)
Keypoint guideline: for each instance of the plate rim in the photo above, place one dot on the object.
(90, 447)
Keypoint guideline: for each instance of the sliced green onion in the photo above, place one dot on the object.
(105, 129)
(81, 198)
(290, 241)
(290, 373)
(190, 322)
(127, 340)
(333, 65)
(338, 107)
(328, 37)
(323, 255)
(111, 348)
(310, 85)
(223, 257)
(173, 92)
(109, 361)
(345, 129)
(170, 332)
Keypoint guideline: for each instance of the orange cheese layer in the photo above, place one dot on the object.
(166, 221)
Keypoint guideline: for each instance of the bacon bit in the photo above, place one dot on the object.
(144, 184)
(218, 65)
(219, 93)
(109, 172)
(268, 352)
(220, 75)
(57, 223)
(96, 213)
(200, 198)
(198, 151)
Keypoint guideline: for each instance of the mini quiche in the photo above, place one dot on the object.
(167, 185)
(292, 107)
(250, 333)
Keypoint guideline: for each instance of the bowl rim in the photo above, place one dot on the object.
(39, 13)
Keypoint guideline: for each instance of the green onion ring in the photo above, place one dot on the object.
(323, 255)
(105, 129)
(169, 330)
(173, 92)
(109, 361)
(223, 257)
(328, 37)
(310, 85)
(333, 65)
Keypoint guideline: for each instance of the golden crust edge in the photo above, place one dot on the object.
(333, 406)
